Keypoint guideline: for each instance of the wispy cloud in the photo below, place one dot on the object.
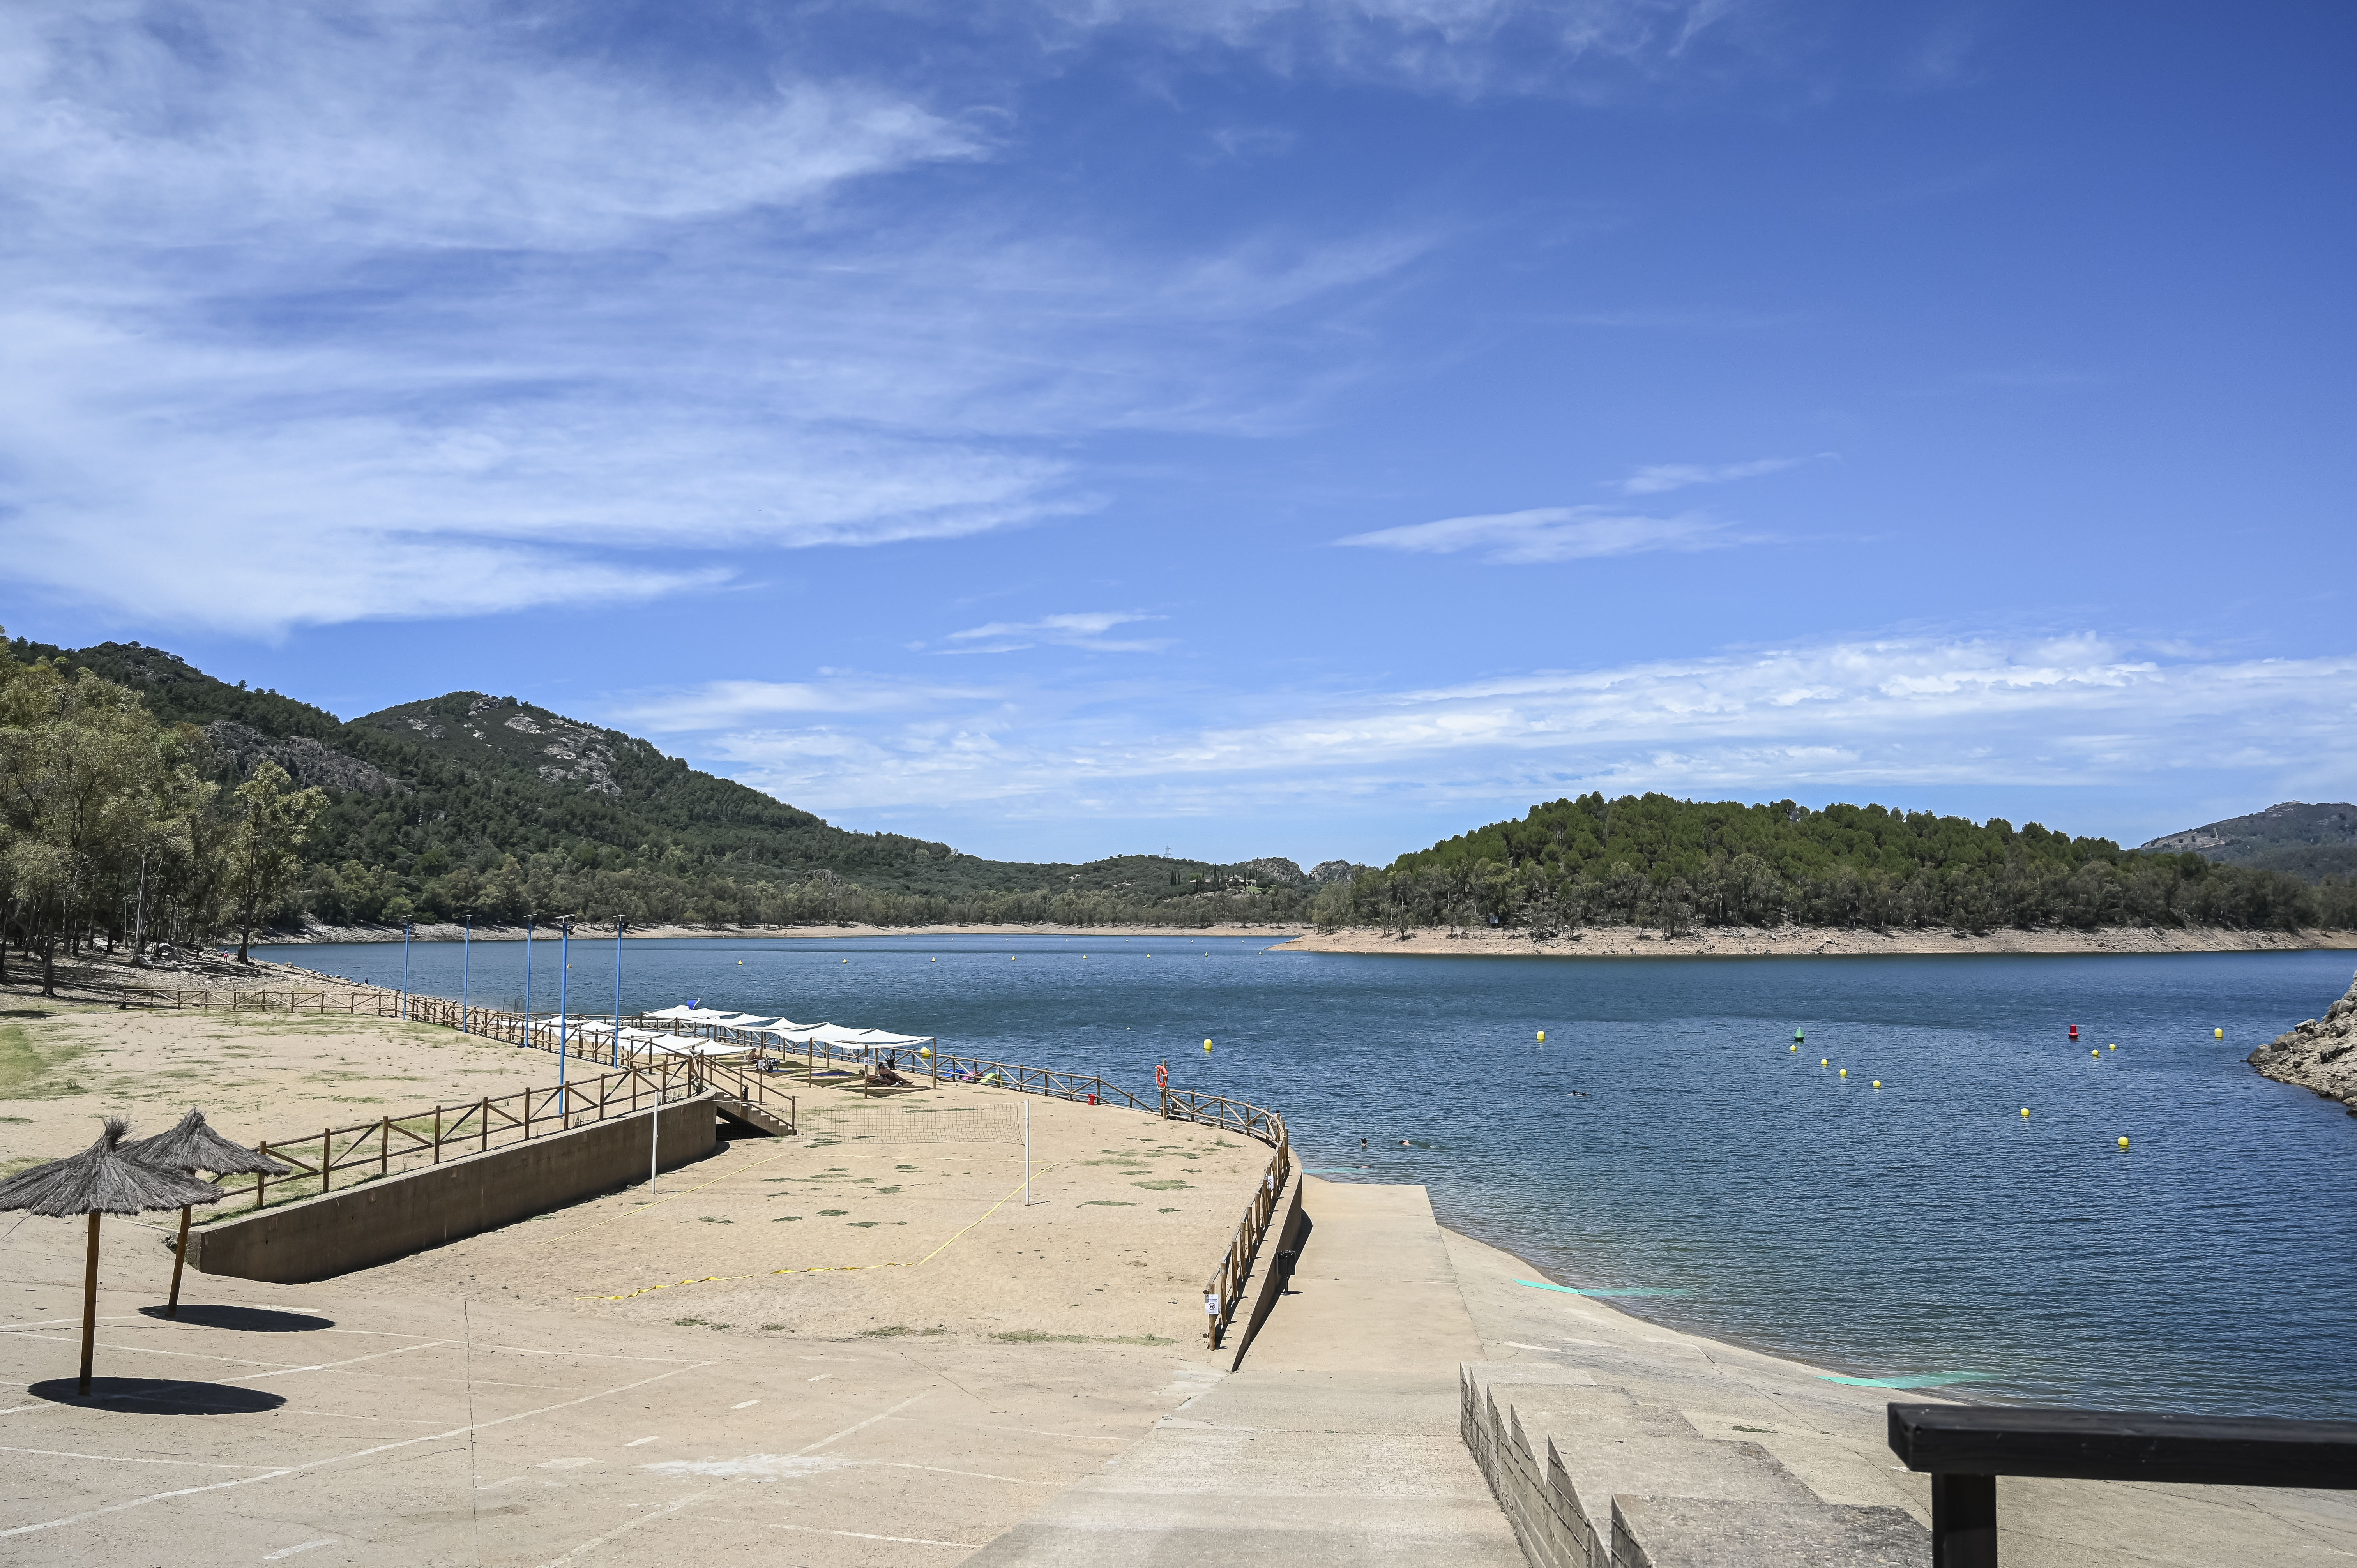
(1551, 533)
(1850, 715)
(1084, 629)
(723, 705)
(395, 311)
(1583, 49)
(1660, 478)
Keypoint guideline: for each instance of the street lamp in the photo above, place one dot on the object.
(619, 927)
(563, 982)
(405, 968)
(527, 981)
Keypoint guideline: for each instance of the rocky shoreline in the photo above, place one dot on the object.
(1808, 941)
(2320, 1055)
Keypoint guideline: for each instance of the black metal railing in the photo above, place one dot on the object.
(1965, 1448)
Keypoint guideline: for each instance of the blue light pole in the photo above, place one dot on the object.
(466, 970)
(619, 927)
(405, 968)
(527, 981)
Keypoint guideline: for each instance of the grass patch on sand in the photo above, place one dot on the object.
(1165, 1186)
(1107, 1203)
(894, 1331)
(27, 1072)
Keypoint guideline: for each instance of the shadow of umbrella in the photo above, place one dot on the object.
(191, 1146)
(100, 1180)
(244, 1320)
(158, 1396)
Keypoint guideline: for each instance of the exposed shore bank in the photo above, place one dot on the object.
(1809, 941)
(2319, 1055)
(451, 932)
(1594, 941)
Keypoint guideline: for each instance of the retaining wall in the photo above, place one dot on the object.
(360, 1227)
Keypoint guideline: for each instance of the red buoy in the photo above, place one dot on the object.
(2074, 1031)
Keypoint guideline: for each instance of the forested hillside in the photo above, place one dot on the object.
(2311, 841)
(1655, 861)
(470, 803)
(138, 792)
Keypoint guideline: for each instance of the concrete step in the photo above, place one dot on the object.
(1593, 1476)
(751, 1117)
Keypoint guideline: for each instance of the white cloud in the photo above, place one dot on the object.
(719, 705)
(418, 121)
(404, 310)
(1850, 715)
(1084, 629)
(1463, 48)
(1660, 478)
(1551, 533)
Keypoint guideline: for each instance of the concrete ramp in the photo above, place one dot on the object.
(1337, 1442)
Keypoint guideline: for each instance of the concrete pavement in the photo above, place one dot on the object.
(1336, 1441)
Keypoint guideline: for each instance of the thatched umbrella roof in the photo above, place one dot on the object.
(194, 1147)
(103, 1179)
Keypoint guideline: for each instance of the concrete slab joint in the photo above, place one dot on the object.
(1592, 1477)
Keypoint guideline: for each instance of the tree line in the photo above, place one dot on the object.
(1671, 864)
(120, 822)
(111, 829)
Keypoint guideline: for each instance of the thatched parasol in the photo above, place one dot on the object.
(193, 1146)
(102, 1180)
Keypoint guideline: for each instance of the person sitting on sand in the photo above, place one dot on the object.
(883, 1077)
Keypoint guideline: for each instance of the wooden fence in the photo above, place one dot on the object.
(373, 1149)
(637, 1071)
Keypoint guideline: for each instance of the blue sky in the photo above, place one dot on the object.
(1068, 428)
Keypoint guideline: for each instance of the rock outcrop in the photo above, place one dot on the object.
(306, 761)
(2321, 1054)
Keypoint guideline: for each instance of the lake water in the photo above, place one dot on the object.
(1667, 1139)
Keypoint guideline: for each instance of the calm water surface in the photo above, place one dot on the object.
(1667, 1138)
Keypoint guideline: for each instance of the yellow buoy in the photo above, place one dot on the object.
(1824, 1061)
(1844, 1072)
(1796, 1047)
(1878, 1083)
(1542, 1037)
(2025, 1111)
(2094, 1053)
(2217, 1033)
(2112, 1047)
(1207, 1048)
(937, 960)
(926, 1052)
(2124, 1143)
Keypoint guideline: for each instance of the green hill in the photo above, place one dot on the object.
(469, 802)
(2309, 842)
(1653, 859)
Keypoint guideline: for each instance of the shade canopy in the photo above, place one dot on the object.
(103, 1179)
(194, 1147)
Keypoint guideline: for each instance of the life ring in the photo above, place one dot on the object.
(1161, 1077)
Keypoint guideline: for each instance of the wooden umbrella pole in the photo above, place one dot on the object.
(89, 1302)
(179, 1259)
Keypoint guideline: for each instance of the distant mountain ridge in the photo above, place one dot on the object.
(2309, 842)
(471, 802)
